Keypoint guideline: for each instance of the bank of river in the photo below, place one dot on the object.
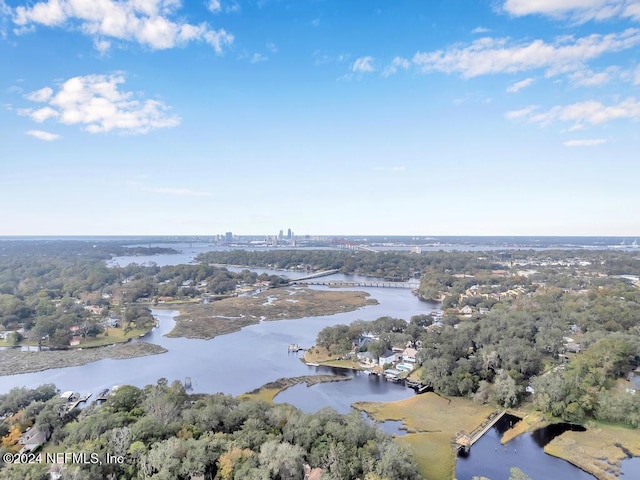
(15, 361)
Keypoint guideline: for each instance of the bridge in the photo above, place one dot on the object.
(322, 273)
(465, 442)
(337, 284)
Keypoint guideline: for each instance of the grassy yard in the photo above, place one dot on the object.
(115, 335)
(432, 422)
(320, 355)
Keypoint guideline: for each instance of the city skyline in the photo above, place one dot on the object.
(474, 117)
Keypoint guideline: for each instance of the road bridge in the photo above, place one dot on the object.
(339, 284)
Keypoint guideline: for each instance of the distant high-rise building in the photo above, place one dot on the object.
(289, 234)
(280, 235)
(228, 237)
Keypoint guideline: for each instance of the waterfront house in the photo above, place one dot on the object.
(387, 357)
(32, 439)
(366, 358)
(409, 355)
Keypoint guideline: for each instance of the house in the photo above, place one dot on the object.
(32, 439)
(409, 355)
(387, 357)
(466, 310)
(367, 358)
(573, 347)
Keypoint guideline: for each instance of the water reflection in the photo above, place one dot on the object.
(489, 458)
(543, 436)
(340, 395)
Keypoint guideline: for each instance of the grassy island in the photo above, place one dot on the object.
(270, 390)
(14, 362)
(231, 314)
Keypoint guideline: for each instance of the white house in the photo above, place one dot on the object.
(387, 357)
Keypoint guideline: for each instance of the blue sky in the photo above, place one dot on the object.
(456, 117)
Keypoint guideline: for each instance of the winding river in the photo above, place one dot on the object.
(245, 360)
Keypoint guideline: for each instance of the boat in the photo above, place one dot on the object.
(312, 364)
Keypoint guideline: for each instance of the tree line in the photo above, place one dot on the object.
(164, 433)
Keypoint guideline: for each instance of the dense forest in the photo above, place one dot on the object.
(164, 433)
(51, 291)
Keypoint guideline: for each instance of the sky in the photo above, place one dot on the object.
(329, 117)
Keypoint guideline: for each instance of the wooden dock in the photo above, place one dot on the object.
(465, 442)
(72, 405)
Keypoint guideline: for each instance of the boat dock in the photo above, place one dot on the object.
(465, 442)
(74, 403)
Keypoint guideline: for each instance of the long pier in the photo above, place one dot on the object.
(358, 284)
(465, 442)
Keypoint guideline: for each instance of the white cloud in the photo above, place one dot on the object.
(102, 46)
(41, 95)
(582, 113)
(523, 112)
(42, 135)
(499, 55)
(589, 142)
(322, 58)
(396, 64)
(258, 57)
(589, 78)
(272, 47)
(96, 103)
(147, 22)
(363, 65)
(576, 10)
(480, 30)
(516, 87)
(214, 6)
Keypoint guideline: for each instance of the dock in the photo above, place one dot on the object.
(103, 395)
(74, 403)
(465, 442)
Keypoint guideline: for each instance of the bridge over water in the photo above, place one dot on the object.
(339, 284)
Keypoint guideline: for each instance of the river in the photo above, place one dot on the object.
(242, 361)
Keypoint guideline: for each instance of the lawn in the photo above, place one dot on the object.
(115, 335)
(320, 355)
(432, 422)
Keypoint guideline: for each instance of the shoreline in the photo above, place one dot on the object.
(207, 321)
(598, 451)
(269, 391)
(16, 362)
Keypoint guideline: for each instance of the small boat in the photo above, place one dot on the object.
(313, 364)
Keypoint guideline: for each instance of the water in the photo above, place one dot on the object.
(489, 458)
(631, 468)
(233, 363)
(340, 395)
